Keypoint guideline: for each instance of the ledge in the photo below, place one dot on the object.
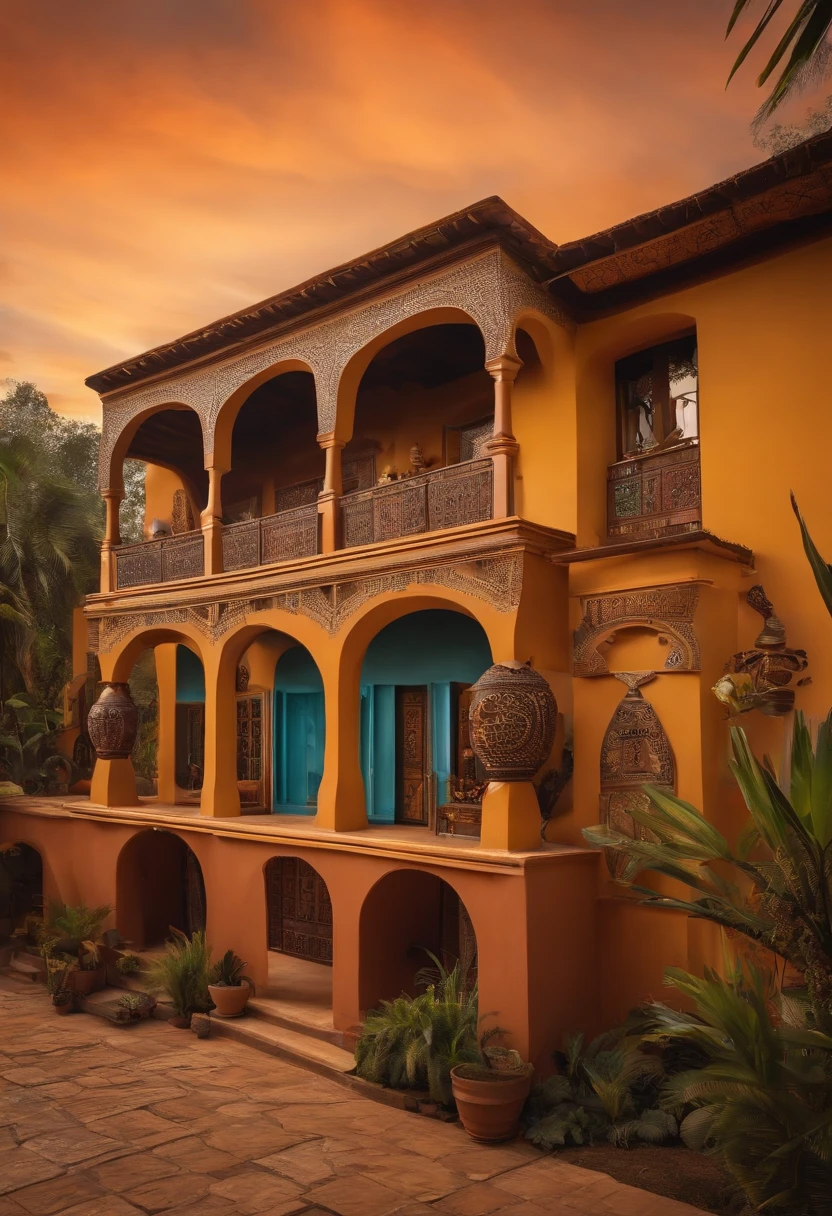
(678, 542)
(394, 843)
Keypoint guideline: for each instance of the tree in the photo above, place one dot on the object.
(801, 55)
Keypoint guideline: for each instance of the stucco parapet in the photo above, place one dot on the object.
(388, 844)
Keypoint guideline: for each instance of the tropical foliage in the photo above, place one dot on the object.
(183, 972)
(414, 1042)
(801, 53)
(75, 931)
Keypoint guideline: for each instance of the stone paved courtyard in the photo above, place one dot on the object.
(101, 1121)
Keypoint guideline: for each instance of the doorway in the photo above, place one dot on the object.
(299, 910)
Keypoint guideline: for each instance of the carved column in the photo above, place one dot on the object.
(503, 447)
(211, 521)
(112, 538)
(328, 500)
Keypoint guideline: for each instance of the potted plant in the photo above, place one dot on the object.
(229, 988)
(79, 930)
(128, 964)
(135, 1007)
(58, 988)
(182, 973)
(490, 1094)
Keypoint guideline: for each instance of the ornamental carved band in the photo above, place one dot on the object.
(490, 288)
(513, 717)
(496, 581)
(668, 611)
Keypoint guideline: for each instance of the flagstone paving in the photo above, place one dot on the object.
(101, 1121)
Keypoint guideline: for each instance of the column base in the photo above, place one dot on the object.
(114, 783)
(511, 817)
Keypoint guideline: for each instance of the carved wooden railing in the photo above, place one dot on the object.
(446, 498)
(160, 561)
(654, 495)
(274, 538)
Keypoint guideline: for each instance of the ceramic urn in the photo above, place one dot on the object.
(112, 722)
(513, 718)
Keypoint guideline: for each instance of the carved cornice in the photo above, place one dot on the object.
(490, 287)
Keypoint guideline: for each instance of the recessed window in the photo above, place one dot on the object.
(658, 397)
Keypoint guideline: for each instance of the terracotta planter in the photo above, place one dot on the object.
(181, 1023)
(513, 718)
(112, 723)
(85, 982)
(230, 1002)
(63, 1010)
(490, 1110)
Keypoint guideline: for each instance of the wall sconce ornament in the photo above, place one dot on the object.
(513, 717)
(636, 751)
(758, 678)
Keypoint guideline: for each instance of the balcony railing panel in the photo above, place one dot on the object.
(160, 561)
(275, 538)
(652, 496)
(446, 498)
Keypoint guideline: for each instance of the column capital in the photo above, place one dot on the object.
(328, 439)
(504, 367)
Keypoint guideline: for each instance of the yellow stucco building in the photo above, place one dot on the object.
(471, 446)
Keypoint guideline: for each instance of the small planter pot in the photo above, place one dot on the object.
(490, 1110)
(181, 1023)
(63, 1010)
(85, 982)
(230, 1001)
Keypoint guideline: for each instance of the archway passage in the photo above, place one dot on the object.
(405, 915)
(21, 886)
(415, 692)
(299, 910)
(159, 887)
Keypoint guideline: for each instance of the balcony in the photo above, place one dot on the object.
(164, 560)
(427, 502)
(657, 494)
(274, 538)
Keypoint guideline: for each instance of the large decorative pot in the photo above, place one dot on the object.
(513, 717)
(112, 723)
(490, 1109)
(230, 999)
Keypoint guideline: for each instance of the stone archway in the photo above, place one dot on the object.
(299, 910)
(159, 887)
(406, 914)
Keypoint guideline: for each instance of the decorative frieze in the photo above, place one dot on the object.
(496, 581)
(668, 611)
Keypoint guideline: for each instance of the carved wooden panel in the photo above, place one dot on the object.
(195, 903)
(669, 611)
(459, 819)
(473, 438)
(650, 496)
(299, 910)
(250, 748)
(160, 561)
(303, 494)
(635, 752)
(357, 520)
(460, 495)
(412, 754)
(241, 545)
(289, 534)
(400, 509)
(358, 472)
(182, 517)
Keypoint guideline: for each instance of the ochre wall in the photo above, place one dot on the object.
(160, 485)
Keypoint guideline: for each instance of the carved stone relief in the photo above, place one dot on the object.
(495, 580)
(667, 610)
(636, 751)
(490, 287)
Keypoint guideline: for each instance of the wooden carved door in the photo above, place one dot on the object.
(412, 755)
(194, 890)
(190, 744)
(250, 752)
(299, 910)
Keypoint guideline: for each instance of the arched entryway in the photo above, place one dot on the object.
(406, 914)
(299, 916)
(21, 886)
(159, 887)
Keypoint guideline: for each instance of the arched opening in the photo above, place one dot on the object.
(299, 925)
(159, 886)
(424, 405)
(416, 756)
(21, 886)
(406, 914)
(270, 494)
(280, 726)
(165, 486)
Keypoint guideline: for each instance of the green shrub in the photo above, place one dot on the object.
(128, 964)
(182, 972)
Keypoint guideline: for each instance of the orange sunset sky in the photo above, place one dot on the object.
(165, 162)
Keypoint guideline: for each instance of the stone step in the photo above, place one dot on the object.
(267, 1010)
(24, 969)
(318, 1056)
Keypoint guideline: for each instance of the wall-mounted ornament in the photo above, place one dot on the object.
(513, 718)
(243, 677)
(668, 611)
(182, 516)
(635, 752)
(759, 678)
(113, 722)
